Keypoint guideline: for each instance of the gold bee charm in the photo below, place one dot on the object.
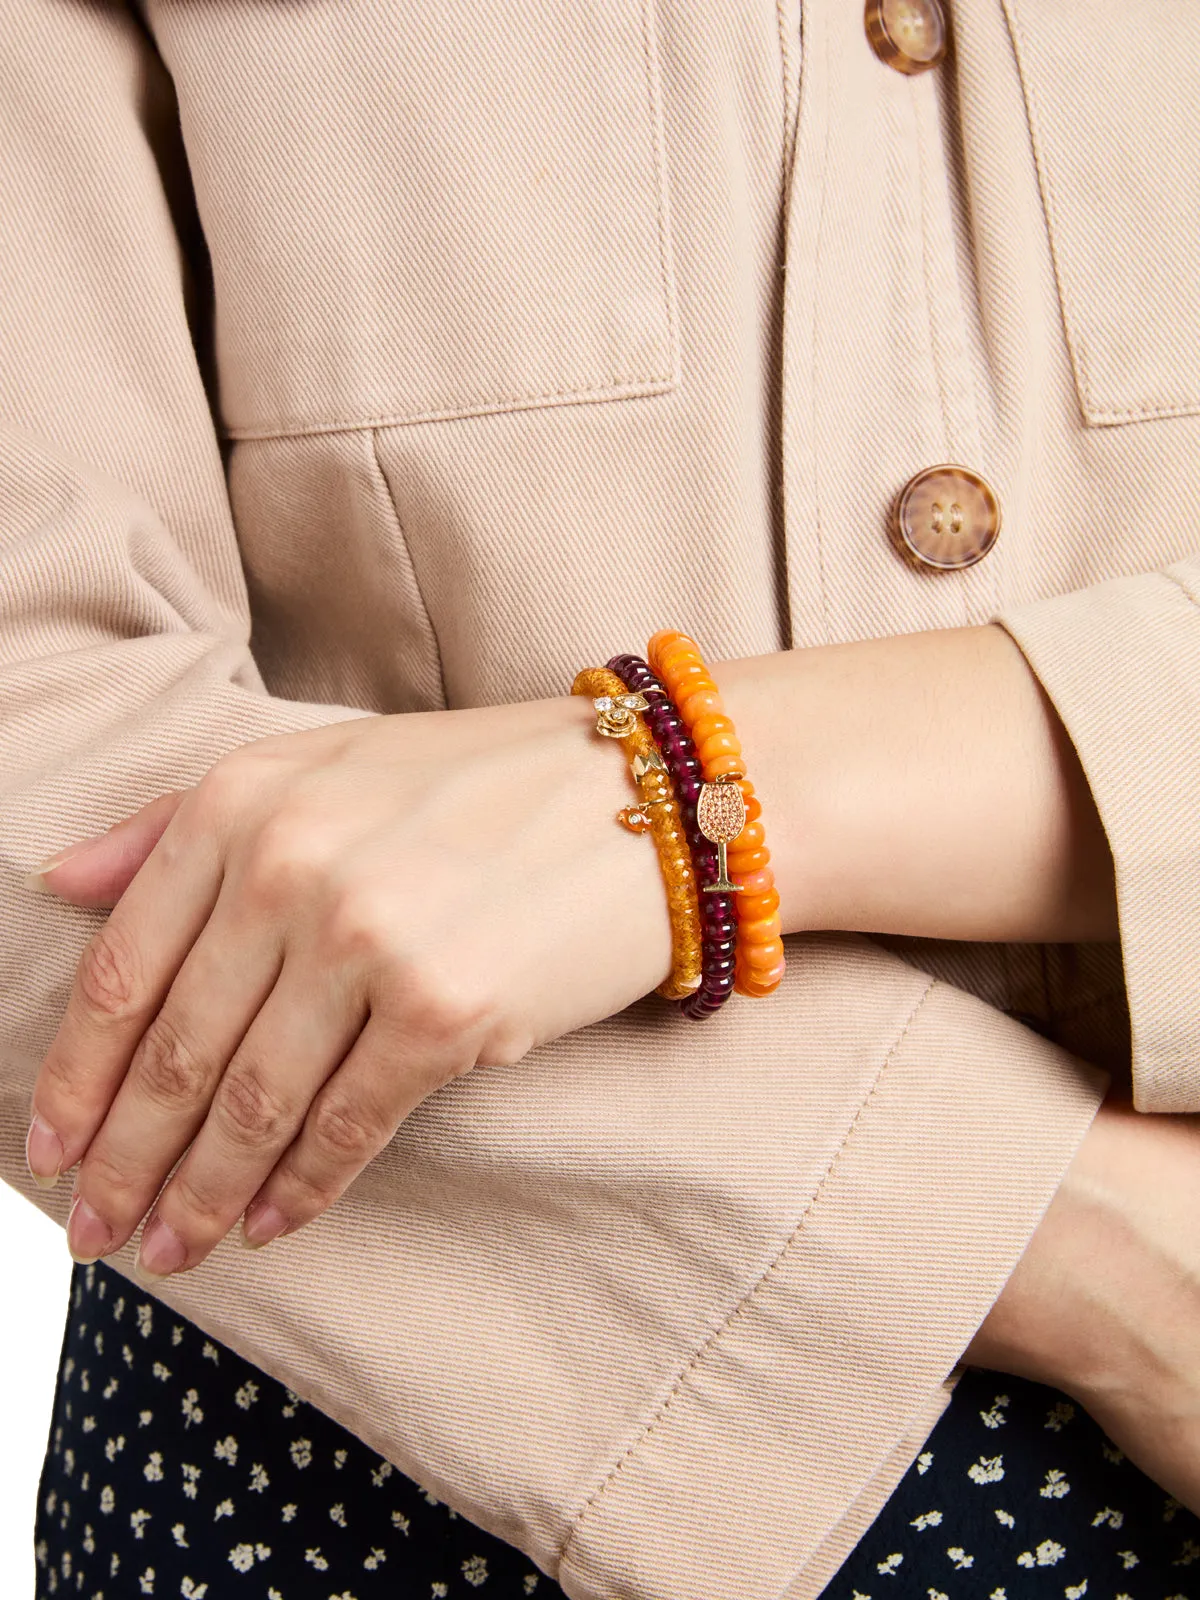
(617, 714)
(721, 816)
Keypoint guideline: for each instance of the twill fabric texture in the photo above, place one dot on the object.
(358, 360)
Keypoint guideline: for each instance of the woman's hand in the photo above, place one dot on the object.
(1105, 1302)
(330, 926)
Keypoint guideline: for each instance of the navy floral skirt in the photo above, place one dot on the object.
(174, 1468)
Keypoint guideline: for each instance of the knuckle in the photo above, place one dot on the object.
(201, 1202)
(361, 926)
(347, 1133)
(285, 863)
(119, 1193)
(248, 1109)
(108, 976)
(220, 791)
(58, 1080)
(447, 1012)
(166, 1069)
(506, 1046)
(302, 1195)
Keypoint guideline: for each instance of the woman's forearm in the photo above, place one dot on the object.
(921, 784)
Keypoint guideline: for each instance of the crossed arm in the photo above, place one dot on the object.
(260, 990)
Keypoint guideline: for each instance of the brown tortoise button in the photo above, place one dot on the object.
(909, 35)
(946, 517)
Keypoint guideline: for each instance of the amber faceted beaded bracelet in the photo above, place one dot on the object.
(759, 960)
(657, 811)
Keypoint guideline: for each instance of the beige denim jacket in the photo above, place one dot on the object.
(524, 329)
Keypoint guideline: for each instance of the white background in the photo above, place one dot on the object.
(37, 1269)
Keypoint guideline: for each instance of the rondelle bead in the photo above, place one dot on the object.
(761, 956)
(694, 702)
(760, 880)
(723, 767)
(717, 744)
(743, 861)
(753, 906)
(752, 837)
(711, 722)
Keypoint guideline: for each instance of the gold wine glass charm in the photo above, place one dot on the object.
(721, 816)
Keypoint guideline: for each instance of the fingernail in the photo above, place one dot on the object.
(162, 1250)
(36, 879)
(88, 1236)
(264, 1223)
(43, 1153)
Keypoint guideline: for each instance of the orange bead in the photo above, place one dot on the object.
(759, 881)
(762, 977)
(743, 861)
(695, 701)
(682, 678)
(744, 983)
(717, 744)
(711, 722)
(679, 671)
(759, 930)
(662, 638)
(753, 804)
(722, 767)
(753, 906)
(752, 837)
(761, 956)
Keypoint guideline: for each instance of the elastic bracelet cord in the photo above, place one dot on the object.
(657, 813)
(717, 916)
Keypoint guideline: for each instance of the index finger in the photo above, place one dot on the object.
(122, 978)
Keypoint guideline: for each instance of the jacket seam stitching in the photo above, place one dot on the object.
(822, 567)
(658, 144)
(717, 1333)
(633, 389)
(390, 498)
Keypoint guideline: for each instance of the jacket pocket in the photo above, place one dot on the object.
(1112, 92)
(426, 211)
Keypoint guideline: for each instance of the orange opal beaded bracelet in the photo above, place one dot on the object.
(728, 811)
(656, 812)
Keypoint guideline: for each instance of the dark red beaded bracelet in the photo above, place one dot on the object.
(718, 915)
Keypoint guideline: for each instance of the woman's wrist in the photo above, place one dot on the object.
(921, 785)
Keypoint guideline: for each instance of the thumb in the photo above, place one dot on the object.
(97, 871)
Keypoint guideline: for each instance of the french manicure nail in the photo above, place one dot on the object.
(162, 1250)
(43, 1153)
(88, 1235)
(262, 1225)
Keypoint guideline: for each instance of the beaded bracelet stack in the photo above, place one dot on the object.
(704, 816)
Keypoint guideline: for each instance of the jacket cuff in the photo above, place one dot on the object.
(672, 1314)
(1121, 663)
(813, 1397)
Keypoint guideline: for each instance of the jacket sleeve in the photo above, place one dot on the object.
(671, 1318)
(1121, 663)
